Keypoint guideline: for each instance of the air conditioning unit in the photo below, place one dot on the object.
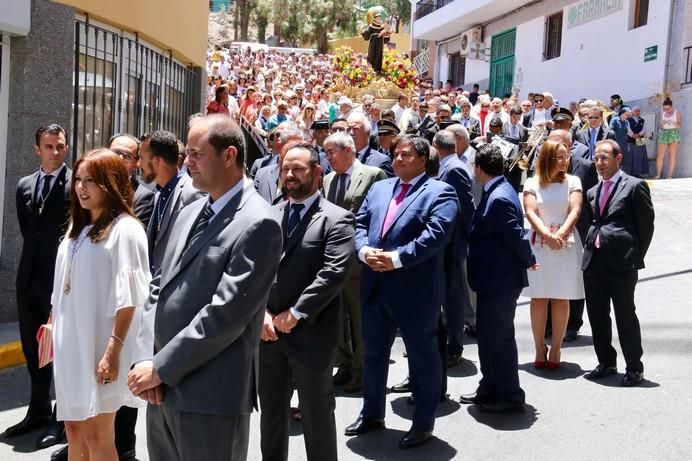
(468, 39)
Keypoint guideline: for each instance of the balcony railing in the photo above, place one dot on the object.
(425, 7)
(687, 80)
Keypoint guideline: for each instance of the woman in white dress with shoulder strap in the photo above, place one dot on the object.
(101, 282)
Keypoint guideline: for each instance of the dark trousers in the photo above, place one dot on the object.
(454, 304)
(601, 287)
(419, 328)
(33, 309)
(350, 341)
(183, 436)
(125, 421)
(497, 347)
(278, 373)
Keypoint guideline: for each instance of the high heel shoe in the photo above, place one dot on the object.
(538, 364)
(550, 365)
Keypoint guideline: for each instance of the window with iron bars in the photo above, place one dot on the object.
(124, 86)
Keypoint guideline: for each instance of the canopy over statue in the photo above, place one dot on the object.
(377, 33)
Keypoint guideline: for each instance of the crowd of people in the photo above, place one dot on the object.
(190, 280)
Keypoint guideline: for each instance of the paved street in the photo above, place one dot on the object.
(567, 418)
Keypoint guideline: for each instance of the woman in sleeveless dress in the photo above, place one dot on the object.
(101, 282)
(668, 138)
(552, 202)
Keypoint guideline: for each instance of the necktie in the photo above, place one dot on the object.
(514, 132)
(202, 223)
(592, 142)
(605, 194)
(45, 190)
(294, 217)
(394, 205)
(341, 193)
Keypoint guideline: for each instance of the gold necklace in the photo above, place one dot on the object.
(73, 252)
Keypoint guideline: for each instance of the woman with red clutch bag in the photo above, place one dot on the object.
(101, 281)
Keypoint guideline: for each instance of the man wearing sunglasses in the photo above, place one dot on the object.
(595, 131)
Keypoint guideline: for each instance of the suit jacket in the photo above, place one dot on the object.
(580, 150)
(527, 119)
(456, 175)
(626, 226)
(314, 267)
(421, 229)
(266, 183)
(585, 170)
(41, 232)
(499, 252)
(202, 320)
(583, 137)
(362, 178)
(261, 163)
(507, 133)
(183, 194)
(377, 159)
(144, 203)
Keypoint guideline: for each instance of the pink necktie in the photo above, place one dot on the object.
(394, 205)
(605, 194)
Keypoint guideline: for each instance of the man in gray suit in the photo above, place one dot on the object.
(174, 190)
(301, 322)
(347, 185)
(199, 340)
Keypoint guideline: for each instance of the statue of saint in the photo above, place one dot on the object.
(377, 34)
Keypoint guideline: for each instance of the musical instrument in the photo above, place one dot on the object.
(524, 159)
(607, 113)
(506, 148)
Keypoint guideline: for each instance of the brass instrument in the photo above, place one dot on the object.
(607, 112)
(526, 154)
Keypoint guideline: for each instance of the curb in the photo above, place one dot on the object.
(11, 354)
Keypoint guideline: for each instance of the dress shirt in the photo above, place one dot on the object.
(540, 116)
(468, 156)
(396, 259)
(219, 204)
(161, 198)
(42, 178)
(489, 184)
(445, 160)
(348, 174)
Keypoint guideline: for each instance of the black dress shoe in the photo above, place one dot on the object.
(571, 335)
(414, 438)
(54, 434)
(60, 454)
(341, 377)
(361, 426)
(500, 407)
(28, 424)
(600, 372)
(402, 387)
(470, 330)
(453, 359)
(632, 378)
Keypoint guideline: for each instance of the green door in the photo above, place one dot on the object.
(502, 63)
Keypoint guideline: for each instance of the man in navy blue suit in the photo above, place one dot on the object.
(402, 229)
(499, 255)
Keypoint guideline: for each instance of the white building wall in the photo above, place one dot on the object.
(599, 58)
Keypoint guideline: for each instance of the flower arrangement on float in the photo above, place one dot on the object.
(399, 70)
(353, 67)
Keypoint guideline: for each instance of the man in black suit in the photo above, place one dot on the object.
(513, 130)
(359, 129)
(127, 147)
(585, 170)
(622, 226)
(267, 182)
(499, 255)
(174, 190)
(302, 319)
(595, 132)
(43, 202)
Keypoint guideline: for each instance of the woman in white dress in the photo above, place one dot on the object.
(101, 282)
(552, 202)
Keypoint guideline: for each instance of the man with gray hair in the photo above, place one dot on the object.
(359, 129)
(346, 186)
(267, 181)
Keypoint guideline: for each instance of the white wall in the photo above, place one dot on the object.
(599, 58)
(16, 16)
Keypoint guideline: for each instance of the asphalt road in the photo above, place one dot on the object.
(567, 417)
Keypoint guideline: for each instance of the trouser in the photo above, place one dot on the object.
(125, 422)
(601, 287)
(350, 341)
(183, 436)
(34, 307)
(279, 372)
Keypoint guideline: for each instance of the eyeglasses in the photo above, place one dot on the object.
(537, 100)
(329, 153)
(594, 117)
(125, 155)
(337, 129)
(602, 158)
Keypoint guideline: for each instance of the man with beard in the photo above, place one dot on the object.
(174, 190)
(301, 322)
(267, 178)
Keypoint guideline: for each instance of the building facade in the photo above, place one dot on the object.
(639, 49)
(96, 68)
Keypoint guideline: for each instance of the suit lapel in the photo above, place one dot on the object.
(617, 189)
(356, 179)
(410, 197)
(170, 206)
(297, 235)
(56, 192)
